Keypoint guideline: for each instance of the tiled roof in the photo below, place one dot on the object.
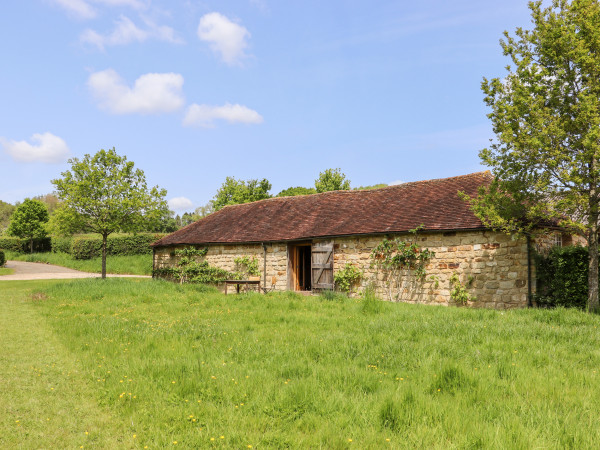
(433, 203)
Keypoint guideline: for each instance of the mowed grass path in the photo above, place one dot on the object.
(46, 401)
(184, 366)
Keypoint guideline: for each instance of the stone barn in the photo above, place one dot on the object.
(301, 242)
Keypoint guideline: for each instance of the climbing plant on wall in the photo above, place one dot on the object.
(403, 263)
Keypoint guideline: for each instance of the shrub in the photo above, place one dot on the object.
(562, 277)
(347, 278)
(2, 258)
(15, 244)
(61, 244)
(85, 247)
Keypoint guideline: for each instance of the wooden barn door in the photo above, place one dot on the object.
(322, 265)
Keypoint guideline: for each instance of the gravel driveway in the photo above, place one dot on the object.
(41, 271)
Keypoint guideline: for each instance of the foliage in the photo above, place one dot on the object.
(28, 221)
(562, 277)
(86, 247)
(50, 200)
(6, 210)
(289, 363)
(332, 180)
(247, 266)
(373, 186)
(403, 264)
(298, 190)
(61, 244)
(202, 211)
(458, 291)
(105, 194)
(2, 258)
(233, 192)
(347, 278)
(190, 270)
(18, 245)
(545, 117)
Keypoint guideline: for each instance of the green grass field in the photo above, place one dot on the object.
(132, 265)
(136, 363)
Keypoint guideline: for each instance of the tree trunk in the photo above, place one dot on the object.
(104, 239)
(593, 245)
(31, 245)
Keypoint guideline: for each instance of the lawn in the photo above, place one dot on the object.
(117, 264)
(138, 363)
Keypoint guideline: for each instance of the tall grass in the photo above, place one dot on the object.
(117, 264)
(186, 364)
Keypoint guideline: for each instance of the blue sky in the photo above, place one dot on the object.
(194, 91)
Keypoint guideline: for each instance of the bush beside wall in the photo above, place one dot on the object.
(562, 277)
(2, 258)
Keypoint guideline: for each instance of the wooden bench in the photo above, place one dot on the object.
(239, 283)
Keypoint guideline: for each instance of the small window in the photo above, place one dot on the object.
(558, 240)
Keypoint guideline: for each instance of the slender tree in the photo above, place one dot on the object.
(546, 117)
(105, 194)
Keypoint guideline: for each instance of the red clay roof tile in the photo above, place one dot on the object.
(433, 203)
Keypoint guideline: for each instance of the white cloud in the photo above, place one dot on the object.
(204, 115)
(136, 4)
(77, 8)
(151, 93)
(126, 32)
(82, 9)
(225, 37)
(180, 204)
(46, 148)
(395, 183)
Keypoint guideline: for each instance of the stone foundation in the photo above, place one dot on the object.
(497, 264)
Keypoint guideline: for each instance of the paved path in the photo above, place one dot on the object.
(41, 271)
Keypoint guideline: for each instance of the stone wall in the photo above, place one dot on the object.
(223, 256)
(496, 263)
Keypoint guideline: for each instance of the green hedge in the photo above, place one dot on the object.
(18, 245)
(139, 244)
(2, 258)
(61, 244)
(562, 277)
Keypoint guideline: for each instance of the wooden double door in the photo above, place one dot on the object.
(310, 266)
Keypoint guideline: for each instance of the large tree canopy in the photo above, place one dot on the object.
(29, 221)
(104, 194)
(546, 117)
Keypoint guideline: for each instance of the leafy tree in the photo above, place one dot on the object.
(233, 192)
(28, 221)
(332, 180)
(6, 210)
(298, 190)
(104, 194)
(546, 117)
